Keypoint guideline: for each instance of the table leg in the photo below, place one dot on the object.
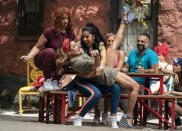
(172, 114)
(160, 101)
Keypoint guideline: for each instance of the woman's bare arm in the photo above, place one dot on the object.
(36, 49)
(103, 59)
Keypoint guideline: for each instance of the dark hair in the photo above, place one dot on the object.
(146, 35)
(92, 29)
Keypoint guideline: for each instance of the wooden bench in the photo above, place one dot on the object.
(59, 111)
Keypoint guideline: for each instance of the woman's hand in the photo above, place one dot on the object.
(94, 53)
(141, 69)
(25, 58)
(117, 69)
(99, 71)
(65, 80)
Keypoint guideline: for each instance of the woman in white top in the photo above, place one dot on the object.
(162, 52)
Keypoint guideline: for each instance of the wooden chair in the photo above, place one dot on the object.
(32, 74)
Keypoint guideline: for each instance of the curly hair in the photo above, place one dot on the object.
(59, 13)
(62, 60)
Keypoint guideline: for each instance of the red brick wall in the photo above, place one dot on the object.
(95, 11)
(170, 25)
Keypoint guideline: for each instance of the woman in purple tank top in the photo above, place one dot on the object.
(44, 52)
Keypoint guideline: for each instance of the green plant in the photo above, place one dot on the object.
(142, 10)
(142, 7)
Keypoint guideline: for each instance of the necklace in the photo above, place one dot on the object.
(62, 36)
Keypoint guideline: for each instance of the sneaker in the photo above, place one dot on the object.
(104, 118)
(47, 86)
(55, 85)
(97, 118)
(78, 121)
(112, 121)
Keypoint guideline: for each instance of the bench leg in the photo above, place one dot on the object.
(63, 109)
(41, 109)
(59, 109)
(136, 113)
(145, 113)
(47, 108)
(160, 112)
(55, 115)
(166, 113)
(141, 112)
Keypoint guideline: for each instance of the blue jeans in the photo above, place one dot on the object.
(94, 94)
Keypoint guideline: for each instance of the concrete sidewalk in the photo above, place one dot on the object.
(11, 121)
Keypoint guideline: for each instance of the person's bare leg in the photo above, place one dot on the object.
(116, 43)
(106, 105)
(178, 108)
(106, 110)
(156, 88)
(127, 82)
(96, 114)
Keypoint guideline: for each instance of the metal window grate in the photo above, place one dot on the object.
(30, 17)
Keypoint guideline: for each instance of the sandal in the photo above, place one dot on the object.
(124, 123)
(130, 16)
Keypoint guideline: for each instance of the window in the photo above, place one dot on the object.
(30, 18)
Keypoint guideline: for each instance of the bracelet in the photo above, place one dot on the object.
(125, 21)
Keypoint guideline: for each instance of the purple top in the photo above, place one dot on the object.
(53, 40)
